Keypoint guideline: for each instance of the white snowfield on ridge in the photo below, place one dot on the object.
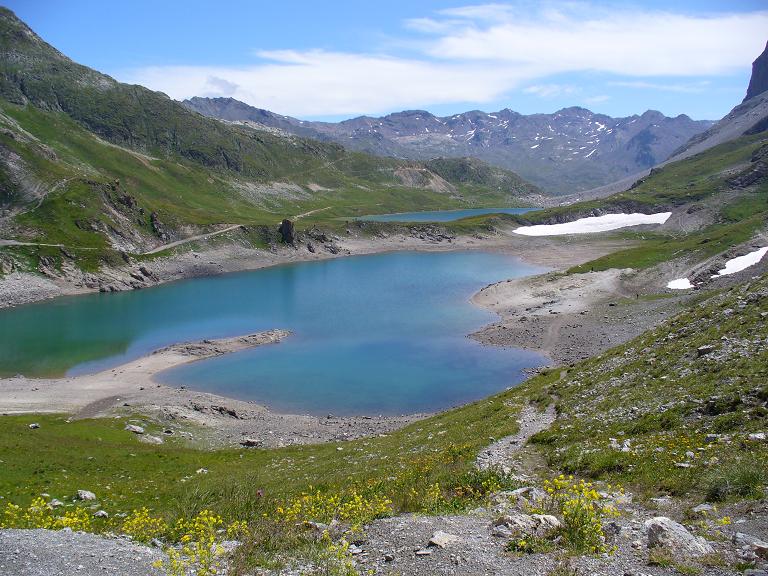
(593, 224)
(731, 267)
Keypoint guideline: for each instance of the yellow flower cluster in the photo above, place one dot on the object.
(200, 546)
(237, 530)
(40, 514)
(582, 511)
(433, 498)
(336, 557)
(352, 508)
(142, 527)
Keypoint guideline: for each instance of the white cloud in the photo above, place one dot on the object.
(323, 83)
(549, 90)
(630, 43)
(597, 99)
(687, 88)
(479, 54)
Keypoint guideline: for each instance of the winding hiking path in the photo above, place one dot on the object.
(499, 454)
(311, 212)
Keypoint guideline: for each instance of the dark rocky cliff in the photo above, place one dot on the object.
(758, 83)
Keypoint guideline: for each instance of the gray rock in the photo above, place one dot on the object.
(85, 495)
(704, 350)
(251, 443)
(100, 514)
(703, 509)
(134, 428)
(666, 533)
(759, 547)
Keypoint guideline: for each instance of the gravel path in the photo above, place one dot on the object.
(66, 553)
(499, 454)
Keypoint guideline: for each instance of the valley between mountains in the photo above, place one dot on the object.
(630, 438)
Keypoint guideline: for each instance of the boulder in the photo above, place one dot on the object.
(519, 525)
(135, 429)
(100, 514)
(666, 533)
(546, 525)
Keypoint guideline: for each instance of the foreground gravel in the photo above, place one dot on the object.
(66, 553)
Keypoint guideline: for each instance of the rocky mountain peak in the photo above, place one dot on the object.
(758, 83)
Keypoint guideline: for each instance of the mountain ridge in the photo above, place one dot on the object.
(570, 150)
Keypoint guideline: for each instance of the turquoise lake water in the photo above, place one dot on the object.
(442, 215)
(380, 334)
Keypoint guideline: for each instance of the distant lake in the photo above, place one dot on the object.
(442, 215)
(379, 334)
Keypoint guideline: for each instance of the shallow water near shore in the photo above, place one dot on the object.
(379, 334)
(442, 215)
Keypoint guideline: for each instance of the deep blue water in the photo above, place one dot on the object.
(441, 215)
(381, 334)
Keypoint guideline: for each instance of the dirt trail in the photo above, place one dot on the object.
(192, 239)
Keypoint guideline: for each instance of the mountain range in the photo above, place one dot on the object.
(568, 151)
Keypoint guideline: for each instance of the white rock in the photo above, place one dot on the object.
(442, 539)
(34, 426)
(666, 533)
(101, 514)
(149, 439)
(757, 437)
(518, 524)
(85, 495)
(135, 429)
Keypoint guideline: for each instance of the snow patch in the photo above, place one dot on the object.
(590, 154)
(535, 146)
(680, 284)
(594, 224)
(740, 263)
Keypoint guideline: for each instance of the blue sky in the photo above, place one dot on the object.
(332, 60)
